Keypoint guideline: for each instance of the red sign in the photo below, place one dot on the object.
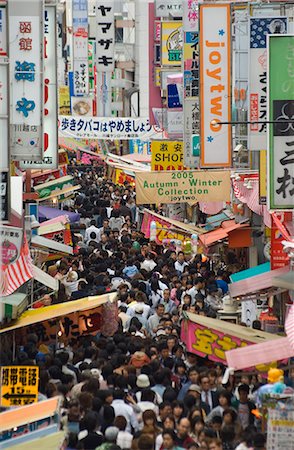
(278, 257)
(253, 111)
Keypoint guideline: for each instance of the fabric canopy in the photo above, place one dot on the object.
(46, 213)
(51, 312)
(221, 233)
(256, 283)
(248, 273)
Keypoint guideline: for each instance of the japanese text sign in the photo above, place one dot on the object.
(171, 43)
(191, 128)
(10, 244)
(166, 155)
(280, 429)
(105, 35)
(107, 128)
(190, 15)
(215, 84)
(259, 28)
(205, 341)
(4, 195)
(182, 186)
(279, 258)
(26, 80)
(281, 108)
(19, 385)
(49, 160)
(80, 46)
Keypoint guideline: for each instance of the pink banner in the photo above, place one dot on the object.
(162, 229)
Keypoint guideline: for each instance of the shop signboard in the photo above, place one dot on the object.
(259, 27)
(215, 85)
(262, 177)
(280, 109)
(64, 100)
(3, 31)
(19, 385)
(4, 114)
(167, 8)
(279, 258)
(80, 47)
(166, 155)
(191, 128)
(4, 196)
(182, 186)
(54, 187)
(280, 429)
(50, 148)
(171, 43)
(10, 244)
(26, 79)
(107, 128)
(105, 35)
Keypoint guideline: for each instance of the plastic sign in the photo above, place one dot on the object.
(19, 385)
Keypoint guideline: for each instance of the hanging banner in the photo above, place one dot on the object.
(262, 177)
(10, 244)
(259, 28)
(108, 128)
(19, 385)
(215, 85)
(105, 35)
(49, 160)
(165, 232)
(80, 46)
(280, 135)
(171, 43)
(166, 8)
(167, 155)
(182, 186)
(3, 31)
(4, 114)
(26, 80)
(64, 100)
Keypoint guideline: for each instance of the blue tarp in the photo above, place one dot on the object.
(47, 213)
(248, 273)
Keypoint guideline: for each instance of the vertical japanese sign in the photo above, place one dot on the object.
(281, 109)
(4, 106)
(105, 35)
(280, 429)
(191, 79)
(26, 80)
(259, 28)
(19, 385)
(215, 85)
(80, 46)
(279, 258)
(50, 142)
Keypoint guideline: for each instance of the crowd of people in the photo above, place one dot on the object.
(139, 389)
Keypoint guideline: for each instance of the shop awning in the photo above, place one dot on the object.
(17, 417)
(51, 442)
(51, 312)
(216, 221)
(53, 245)
(46, 213)
(67, 192)
(221, 233)
(256, 283)
(262, 353)
(45, 279)
(285, 281)
(138, 157)
(252, 272)
(190, 229)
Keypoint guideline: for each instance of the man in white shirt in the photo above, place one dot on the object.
(180, 263)
(92, 229)
(198, 288)
(148, 263)
(140, 300)
(123, 409)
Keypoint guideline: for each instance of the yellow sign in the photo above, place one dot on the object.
(171, 43)
(64, 100)
(167, 155)
(262, 177)
(182, 186)
(19, 385)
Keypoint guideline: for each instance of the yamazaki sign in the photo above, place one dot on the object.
(215, 85)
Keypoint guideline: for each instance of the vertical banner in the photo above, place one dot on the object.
(49, 160)
(262, 177)
(26, 80)
(80, 46)
(258, 30)
(215, 85)
(4, 106)
(105, 35)
(191, 80)
(281, 109)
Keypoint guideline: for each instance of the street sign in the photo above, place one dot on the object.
(195, 144)
(19, 385)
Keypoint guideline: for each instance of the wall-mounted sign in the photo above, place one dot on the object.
(167, 155)
(19, 385)
(171, 43)
(10, 244)
(80, 46)
(105, 35)
(166, 8)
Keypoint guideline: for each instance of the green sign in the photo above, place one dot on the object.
(195, 143)
(281, 113)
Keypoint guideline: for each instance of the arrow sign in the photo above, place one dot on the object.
(8, 396)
